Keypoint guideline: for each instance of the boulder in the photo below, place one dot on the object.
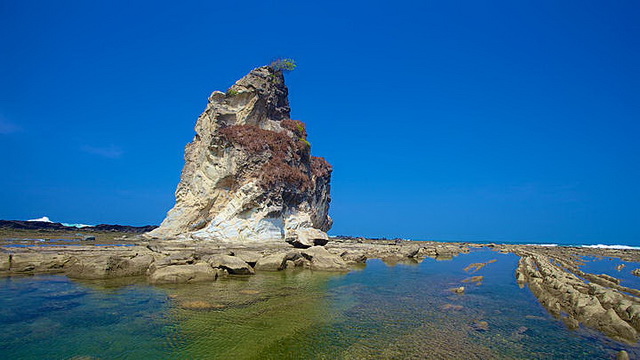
(180, 258)
(308, 237)
(622, 355)
(178, 274)
(5, 263)
(321, 259)
(273, 262)
(615, 326)
(108, 266)
(410, 251)
(353, 257)
(31, 262)
(250, 257)
(234, 265)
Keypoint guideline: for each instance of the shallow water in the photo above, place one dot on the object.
(608, 266)
(381, 311)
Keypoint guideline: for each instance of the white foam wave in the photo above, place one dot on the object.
(42, 219)
(76, 225)
(546, 245)
(620, 247)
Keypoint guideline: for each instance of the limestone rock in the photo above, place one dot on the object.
(250, 257)
(321, 259)
(5, 264)
(178, 274)
(248, 174)
(351, 257)
(108, 266)
(601, 304)
(273, 262)
(234, 265)
(622, 355)
(308, 237)
(32, 262)
(180, 258)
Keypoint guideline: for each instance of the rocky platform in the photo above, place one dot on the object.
(193, 261)
(553, 274)
(597, 301)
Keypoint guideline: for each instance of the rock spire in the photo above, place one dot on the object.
(248, 174)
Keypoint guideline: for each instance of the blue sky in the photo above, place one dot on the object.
(467, 120)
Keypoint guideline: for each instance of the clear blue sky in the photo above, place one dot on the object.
(466, 120)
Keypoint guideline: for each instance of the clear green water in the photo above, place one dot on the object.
(381, 311)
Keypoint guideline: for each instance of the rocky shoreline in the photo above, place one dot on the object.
(553, 274)
(193, 261)
(597, 301)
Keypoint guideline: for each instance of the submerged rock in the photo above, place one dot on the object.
(472, 268)
(474, 279)
(480, 325)
(622, 355)
(200, 305)
(248, 174)
(451, 307)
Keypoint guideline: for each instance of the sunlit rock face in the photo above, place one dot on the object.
(248, 174)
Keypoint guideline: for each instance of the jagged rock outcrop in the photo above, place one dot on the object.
(563, 290)
(248, 173)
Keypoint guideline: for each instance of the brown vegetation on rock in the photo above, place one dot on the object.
(320, 167)
(285, 165)
(295, 126)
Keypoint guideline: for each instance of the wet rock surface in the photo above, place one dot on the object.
(554, 275)
(594, 300)
(182, 261)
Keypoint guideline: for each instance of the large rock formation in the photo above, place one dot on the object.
(248, 173)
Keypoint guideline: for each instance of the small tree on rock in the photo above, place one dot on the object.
(283, 65)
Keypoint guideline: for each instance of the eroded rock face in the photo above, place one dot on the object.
(248, 173)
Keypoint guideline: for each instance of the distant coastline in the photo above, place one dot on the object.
(49, 225)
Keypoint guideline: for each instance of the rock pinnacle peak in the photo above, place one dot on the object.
(249, 174)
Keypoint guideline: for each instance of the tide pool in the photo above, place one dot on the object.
(399, 310)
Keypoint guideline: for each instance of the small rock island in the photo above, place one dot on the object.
(249, 175)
